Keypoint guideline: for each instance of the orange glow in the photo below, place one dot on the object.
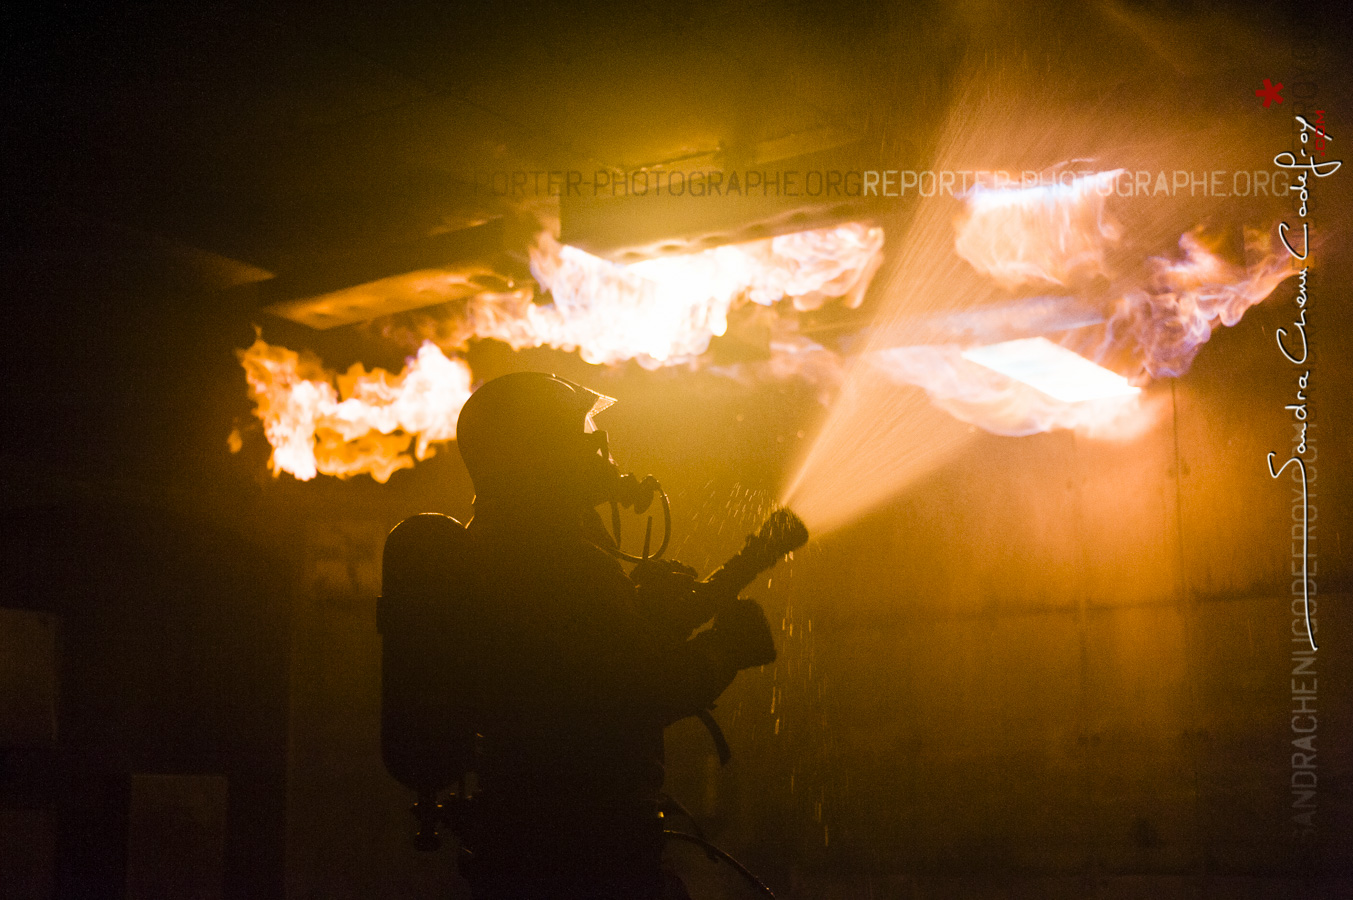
(1156, 317)
(1052, 370)
(658, 312)
(1001, 402)
(966, 269)
(1053, 234)
(1166, 323)
(359, 422)
(662, 312)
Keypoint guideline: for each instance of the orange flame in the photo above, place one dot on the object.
(971, 279)
(658, 312)
(359, 422)
(1167, 323)
(1055, 234)
(662, 312)
(1061, 234)
(1003, 404)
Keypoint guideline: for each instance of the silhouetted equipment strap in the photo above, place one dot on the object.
(716, 733)
(715, 853)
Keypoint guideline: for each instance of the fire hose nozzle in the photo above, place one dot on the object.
(782, 533)
(635, 493)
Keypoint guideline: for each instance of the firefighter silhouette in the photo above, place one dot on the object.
(518, 649)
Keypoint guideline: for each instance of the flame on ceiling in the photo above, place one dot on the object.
(664, 312)
(659, 312)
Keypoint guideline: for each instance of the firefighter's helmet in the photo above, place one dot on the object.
(526, 432)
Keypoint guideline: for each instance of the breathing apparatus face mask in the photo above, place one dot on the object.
(597, 471)
(603, 480)
(529, 438)
(604, 483)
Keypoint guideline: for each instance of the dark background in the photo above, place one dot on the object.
(1053, 668)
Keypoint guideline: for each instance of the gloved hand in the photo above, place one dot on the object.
(656, 572)
(669, 597)
(742, 634)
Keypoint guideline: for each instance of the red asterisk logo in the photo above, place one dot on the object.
(1270, 92)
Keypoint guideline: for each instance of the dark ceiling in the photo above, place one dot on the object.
(315, 137)
(158, 153)
(289, 137)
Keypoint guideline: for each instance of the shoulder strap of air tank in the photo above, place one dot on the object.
(716, 734)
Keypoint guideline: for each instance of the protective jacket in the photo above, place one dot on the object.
(571, 681)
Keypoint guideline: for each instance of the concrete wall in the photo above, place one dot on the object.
(1055, 668)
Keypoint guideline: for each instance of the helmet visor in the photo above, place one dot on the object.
(600, 403)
